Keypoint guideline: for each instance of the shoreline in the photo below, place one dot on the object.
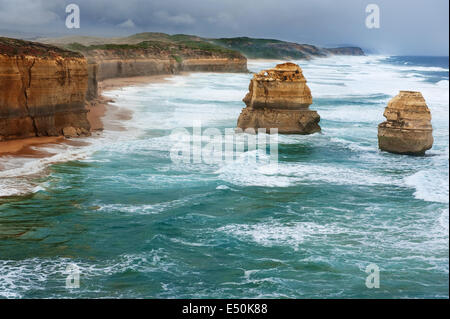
(97, 116)
(103, 115)
(22, 147)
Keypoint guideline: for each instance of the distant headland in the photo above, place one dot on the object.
(251, 48)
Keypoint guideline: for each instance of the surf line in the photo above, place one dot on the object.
(199, 309)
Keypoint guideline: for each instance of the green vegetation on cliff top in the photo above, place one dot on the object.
(262, 48)
(253, 47)
(14, 47)
(250, 47)
(277, 49)
(175, 45)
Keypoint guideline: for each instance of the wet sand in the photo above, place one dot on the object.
(22, 147)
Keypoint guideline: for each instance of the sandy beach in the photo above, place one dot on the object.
(22, 147)
(100, 112)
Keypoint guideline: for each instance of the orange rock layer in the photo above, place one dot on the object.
(43, 88)
(279, 98)
(408, 127)
(42, 92)
(110, 64)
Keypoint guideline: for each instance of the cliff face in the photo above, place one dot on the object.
(279, 98)
(42, 90)
(408, 127)
(108, 66)
(215, 64)
(146, 58)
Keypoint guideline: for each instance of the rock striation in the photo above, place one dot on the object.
(42, 91)
(279, 98)
(408, 127)
(107, 65)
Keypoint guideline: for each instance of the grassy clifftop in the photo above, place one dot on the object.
(269, 48)
(232, 47)
(178, 45)
(14, 47)
(276, 49)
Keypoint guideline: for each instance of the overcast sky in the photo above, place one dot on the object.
(409, 27)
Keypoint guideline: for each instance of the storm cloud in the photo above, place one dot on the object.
(410, 27)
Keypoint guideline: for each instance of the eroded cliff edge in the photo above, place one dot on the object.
(42, 90)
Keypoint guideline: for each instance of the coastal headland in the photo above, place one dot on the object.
(52, 88)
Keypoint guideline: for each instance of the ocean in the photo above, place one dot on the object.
(135, 224)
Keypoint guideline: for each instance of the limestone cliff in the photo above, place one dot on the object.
(43, 87)
(279, 98)
(42, 90)
(408, 127)
(146, 58)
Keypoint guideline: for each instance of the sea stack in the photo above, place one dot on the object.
(408, 127)
(279, 98)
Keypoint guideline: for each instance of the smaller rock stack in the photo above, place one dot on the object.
(279, 98)
(408, 127)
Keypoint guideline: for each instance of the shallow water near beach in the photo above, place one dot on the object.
(138, 225)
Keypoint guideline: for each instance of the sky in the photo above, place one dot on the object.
(407, 27)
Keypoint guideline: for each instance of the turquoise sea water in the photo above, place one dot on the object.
(136, 224)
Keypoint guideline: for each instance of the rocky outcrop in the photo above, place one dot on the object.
(279, 98)
(408, 127)
(42, 90)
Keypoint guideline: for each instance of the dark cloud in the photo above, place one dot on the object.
(407, 26)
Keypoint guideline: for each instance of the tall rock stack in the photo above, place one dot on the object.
(279, 98)
(408, 127)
